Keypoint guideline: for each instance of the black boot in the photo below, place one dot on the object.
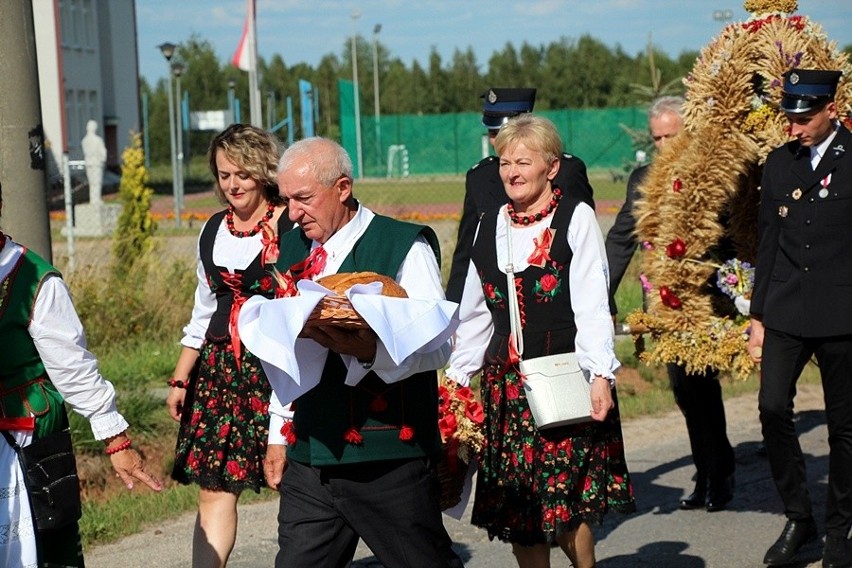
(697, 499)
(719, 493)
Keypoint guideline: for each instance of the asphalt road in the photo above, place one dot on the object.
(658, 535)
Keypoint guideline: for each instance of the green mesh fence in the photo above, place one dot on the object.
(449, 144)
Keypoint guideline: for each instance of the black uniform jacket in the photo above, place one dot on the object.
(484, 192)
(803, 278)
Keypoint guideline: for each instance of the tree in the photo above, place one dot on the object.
(134, 232)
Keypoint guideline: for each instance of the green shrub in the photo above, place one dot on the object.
(134, 231)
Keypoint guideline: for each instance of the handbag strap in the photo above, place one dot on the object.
(515, 325)
(11, 440)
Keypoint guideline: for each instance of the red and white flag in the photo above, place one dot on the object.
(241, 56)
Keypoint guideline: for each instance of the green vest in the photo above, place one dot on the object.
(376, 410)
(25, 388)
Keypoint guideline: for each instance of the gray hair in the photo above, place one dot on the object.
(327, 159)
(663, 105)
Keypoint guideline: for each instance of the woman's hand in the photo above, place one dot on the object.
(174, 402)
(601, 398)
(128, 466)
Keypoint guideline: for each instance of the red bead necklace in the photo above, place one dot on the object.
(529, 219)
(229, 221)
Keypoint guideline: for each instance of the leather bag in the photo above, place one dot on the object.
(50, 474)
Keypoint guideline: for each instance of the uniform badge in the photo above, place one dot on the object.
(492, 97)
(782, 211)
(823, 193)
(794, 78)
(797, 194)
(839, 149)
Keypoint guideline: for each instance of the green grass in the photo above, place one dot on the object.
(422, 190)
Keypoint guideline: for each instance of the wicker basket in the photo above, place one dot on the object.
(451, 479)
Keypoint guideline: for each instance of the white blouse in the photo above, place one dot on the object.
(588, 278)
(230, 252)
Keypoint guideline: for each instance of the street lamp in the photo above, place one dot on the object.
(355, 15)
(168, 50)
(177, 70)
(231, 109)
(377, 114)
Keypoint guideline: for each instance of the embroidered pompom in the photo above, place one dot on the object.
(354, 437)
(289, 433)
(406, 433)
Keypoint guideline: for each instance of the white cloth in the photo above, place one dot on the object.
(61, 343)
(588, 278)
(415, 338)
(230, 252)
(17, 534)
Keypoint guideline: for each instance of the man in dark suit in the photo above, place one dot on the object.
(698, 395)
(484, 189)
(802, 307)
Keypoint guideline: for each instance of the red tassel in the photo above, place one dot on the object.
(354, 437)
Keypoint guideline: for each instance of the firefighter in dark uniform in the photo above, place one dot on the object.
(801, 306)
(484, 189)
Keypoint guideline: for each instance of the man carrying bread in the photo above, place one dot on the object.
(361, 445)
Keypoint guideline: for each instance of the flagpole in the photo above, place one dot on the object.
(254, 89)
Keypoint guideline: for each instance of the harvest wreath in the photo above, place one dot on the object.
(705, 186)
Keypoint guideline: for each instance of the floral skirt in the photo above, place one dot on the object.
(225, 423)
(535, 485)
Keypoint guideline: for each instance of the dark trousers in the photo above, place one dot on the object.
(784, 357)
(392, 505)
(699, 397)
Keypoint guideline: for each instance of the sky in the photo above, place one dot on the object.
(303, 31)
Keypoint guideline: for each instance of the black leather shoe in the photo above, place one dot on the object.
(697, 498)
(693, 501)
(836, 554)
(795, 535)
(720, 493)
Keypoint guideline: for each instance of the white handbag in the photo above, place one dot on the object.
(557, 389)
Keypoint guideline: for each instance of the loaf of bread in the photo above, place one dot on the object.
(342, 281)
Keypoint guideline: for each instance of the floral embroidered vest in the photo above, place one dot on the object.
(25, 388)
(254, 279)
(375, 410)
(544, 294)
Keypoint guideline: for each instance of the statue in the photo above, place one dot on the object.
(95, 154)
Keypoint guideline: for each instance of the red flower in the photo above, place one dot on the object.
(195, 418)
(512, 392)
(289, 433)
(548, 282)
(587, 484)
(353, 436)
(669, 299)
(224, 429)
(266, 283)
(406, 433)
(676, 249)
(489, 290)
(257, 405)
(464, 393)
(443, 400)
(475, 412)
(233, 468)
(677, 185)
(447, 425)
(528, 454)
